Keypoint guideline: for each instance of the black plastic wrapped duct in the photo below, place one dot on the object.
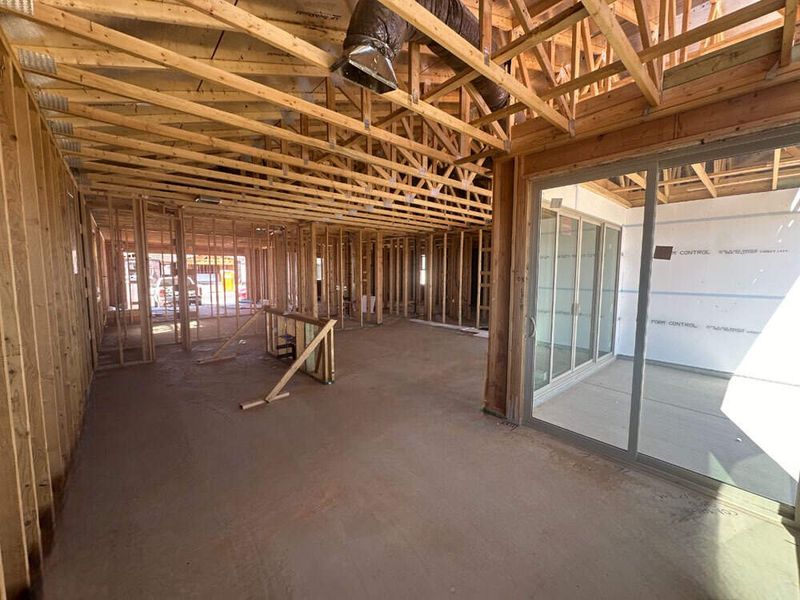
(376, 34)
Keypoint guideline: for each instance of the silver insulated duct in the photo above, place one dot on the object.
(376, 34)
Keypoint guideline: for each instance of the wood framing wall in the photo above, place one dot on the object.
(357, 276)
(504, 193)
(48, 323)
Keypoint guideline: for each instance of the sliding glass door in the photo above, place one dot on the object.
(608, 291)
(586, 309)
(669, 345)
(572, 309)
(544, 308)
(563, 310)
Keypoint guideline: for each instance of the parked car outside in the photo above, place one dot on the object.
(166, 287)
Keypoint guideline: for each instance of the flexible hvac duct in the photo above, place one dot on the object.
(376, 34)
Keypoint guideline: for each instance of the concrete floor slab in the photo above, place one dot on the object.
(390, 483)
(683, 422)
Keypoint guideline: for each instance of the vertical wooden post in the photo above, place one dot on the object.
(406, 278)
(300, 278)
(505, 197)
(463, 111)
(183, 279)
(173, 272)
(419, 292)
(142, 279)
(216, 273)
(429, 278)
(341, 277)
(235, 253)
(444, 278)
(478, 292)
(391, 276)
(485, 24)
(224, 291)
(575, 64)
(369, 275)
(41, 285)
(196, 283)
(460, 275)
(398, 277)
(379, 278)
(113, 220)
(20, 535)
(360, 279)
(326, 275)
(312, 285)
(20, 204)
(330, 102)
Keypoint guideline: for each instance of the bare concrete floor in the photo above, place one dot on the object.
(683, 422)
(389, 484)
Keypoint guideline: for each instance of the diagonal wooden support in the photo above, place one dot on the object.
(640, 181)
(643, 18)
(604, 19)
(247, 23)
(275, 392)
(700, 170)
(789, 20)
(107, 36)
(426, 22)
(216, 357)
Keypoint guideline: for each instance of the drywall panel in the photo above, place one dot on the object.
(586, 202)
(728, 298)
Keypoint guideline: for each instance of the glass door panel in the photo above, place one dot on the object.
(608, 292)
(576, 263)
(563, 317)
(721, 390)
(544, 305)
(587, 296)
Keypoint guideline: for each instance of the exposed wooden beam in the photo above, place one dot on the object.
(595, 187)
(98, 33)
(315, 195)
(539, 34)
(789, 21)
(575, 65)
(426, 22)
(94, 80)
(171, 13)
(643, 18)
(485, 43)
(93, 57)
(262, 30)
(608, 24)
(277, 204)
(776, 167)
(694, 35)
(686, 18)
(528, 26)
(640, 181)
(700, 170)
(208, 141)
